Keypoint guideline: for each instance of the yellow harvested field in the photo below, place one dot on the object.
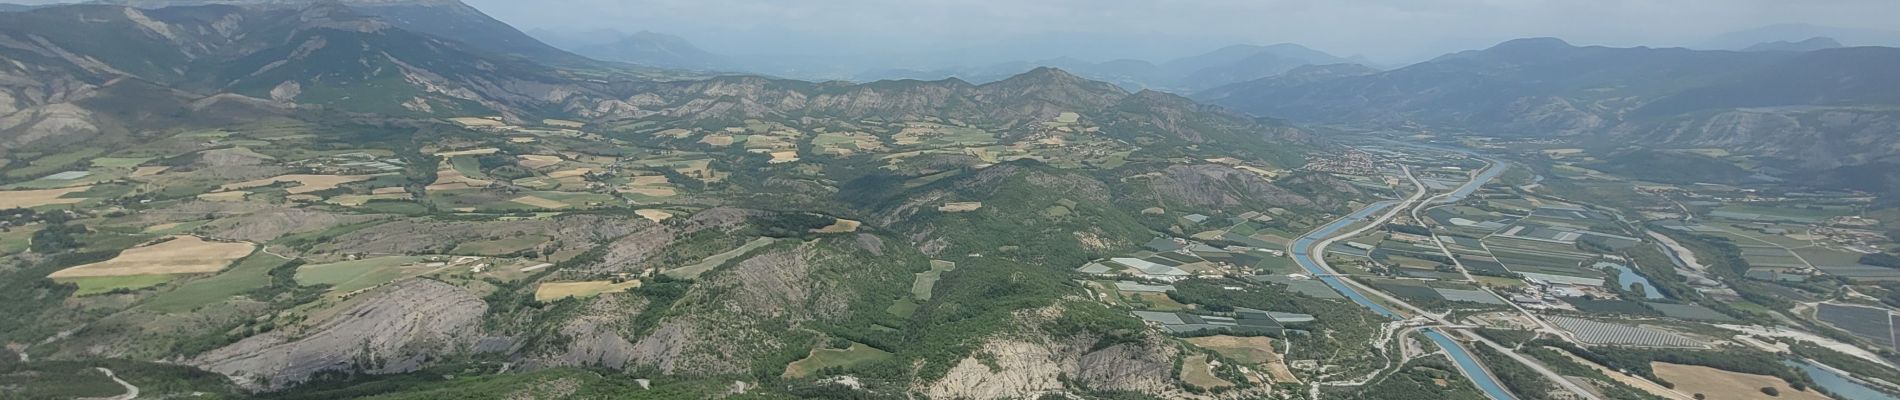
(476, 122)
(180, 255)
(35, 198)
(563, 123)
(522, 140)
(540, 202)
(224, 196)
(570, 173)
(1197, 372)
(675, 133)
(1068, 118)
(650, 180)
(841, 226)
(559, 290)
(1720, 384)
(539, 161)
(389, 190)
(1562, 152)
(780, 157)
(1253, 350)
(1639, 383)
(142, 172)
(470, 152)
(654, 215)
(450, 179)
(717, 139)
(305, 183)
(960, 207)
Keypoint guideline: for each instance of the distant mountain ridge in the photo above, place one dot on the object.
(451, 19)
(1184, 75)
(1821, 108)
(656, 50)
(1796, 32)
(333, 56)
(1812, 44)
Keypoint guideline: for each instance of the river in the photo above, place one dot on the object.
(1302, 254)
(1840, 386)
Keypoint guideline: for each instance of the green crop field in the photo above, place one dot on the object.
(54, 162)
(15, 241)
(926, 282)
(469, 166)
(354, 275)
(716, 260)
(249, 274)
(857, 355)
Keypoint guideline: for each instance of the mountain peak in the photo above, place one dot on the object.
(1532, 43)
(1047, 73)
(1044, 76)
(1811, 44)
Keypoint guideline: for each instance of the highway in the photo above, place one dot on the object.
(1302, 250)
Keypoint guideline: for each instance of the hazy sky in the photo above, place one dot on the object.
(1391, 30)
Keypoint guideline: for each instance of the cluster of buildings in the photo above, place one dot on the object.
(1543, 294)
(1353, 162)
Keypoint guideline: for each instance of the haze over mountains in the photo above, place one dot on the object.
(1825, 107)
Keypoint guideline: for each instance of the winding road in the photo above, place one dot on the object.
(131, 392)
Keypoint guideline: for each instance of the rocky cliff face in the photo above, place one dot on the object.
(397, 329)
(1033, 363)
